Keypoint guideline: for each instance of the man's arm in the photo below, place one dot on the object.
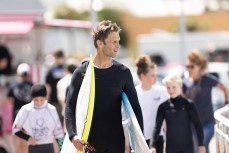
(71, 101)
(131, 93)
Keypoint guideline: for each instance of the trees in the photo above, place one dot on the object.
(115, 16)
(63, 11)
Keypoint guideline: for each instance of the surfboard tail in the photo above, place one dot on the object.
(135, 135)
(68, 147)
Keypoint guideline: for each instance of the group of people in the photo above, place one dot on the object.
(178, 115)
(184, 108)
(187, 114)
(177, 111)
(32, 128)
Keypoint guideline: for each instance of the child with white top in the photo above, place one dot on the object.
(150, 96)
(38, 123)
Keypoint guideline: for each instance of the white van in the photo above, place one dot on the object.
(167, 46)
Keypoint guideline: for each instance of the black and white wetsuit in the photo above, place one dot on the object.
(178, 113)
(106, 133)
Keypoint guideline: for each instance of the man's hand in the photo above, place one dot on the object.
(201, 149)
(78, 143)
(32, 141)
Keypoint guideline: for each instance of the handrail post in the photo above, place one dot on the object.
(222, 130)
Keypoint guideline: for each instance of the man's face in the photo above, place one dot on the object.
(111, 45)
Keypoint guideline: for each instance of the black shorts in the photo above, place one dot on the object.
(45, 148)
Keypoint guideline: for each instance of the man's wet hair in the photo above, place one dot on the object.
(103, 29)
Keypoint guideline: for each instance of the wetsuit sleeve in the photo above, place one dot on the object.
(131, 93)
(212, 80)
(193, 113)
(71, 101)
(22, 135)
(157, 129)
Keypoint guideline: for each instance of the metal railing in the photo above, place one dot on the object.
(222, 129)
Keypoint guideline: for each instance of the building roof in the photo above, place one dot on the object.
(15, 27)
(21, 6)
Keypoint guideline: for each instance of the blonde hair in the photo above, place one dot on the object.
(172, 78)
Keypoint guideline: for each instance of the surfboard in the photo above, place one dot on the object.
(135, 135)
(84, 109)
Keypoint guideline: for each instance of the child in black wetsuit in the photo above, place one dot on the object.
(178, 113)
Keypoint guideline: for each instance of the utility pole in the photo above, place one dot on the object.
(93, 19)
(183, 52)
(93, 14)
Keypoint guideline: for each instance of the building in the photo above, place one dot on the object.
(30, 37)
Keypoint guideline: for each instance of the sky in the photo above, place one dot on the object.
(147, 8)
(143, 8)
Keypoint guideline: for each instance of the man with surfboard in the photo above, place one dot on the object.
(111, 78)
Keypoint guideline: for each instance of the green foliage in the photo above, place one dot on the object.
(114, 16)
(110, 14)
(63, 11)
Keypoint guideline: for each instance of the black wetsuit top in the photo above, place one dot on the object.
(178, 113)
(106, 133)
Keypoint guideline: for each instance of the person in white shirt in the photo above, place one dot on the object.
(62, 88)
(150, 96)
(63, 84)
(38, 123)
